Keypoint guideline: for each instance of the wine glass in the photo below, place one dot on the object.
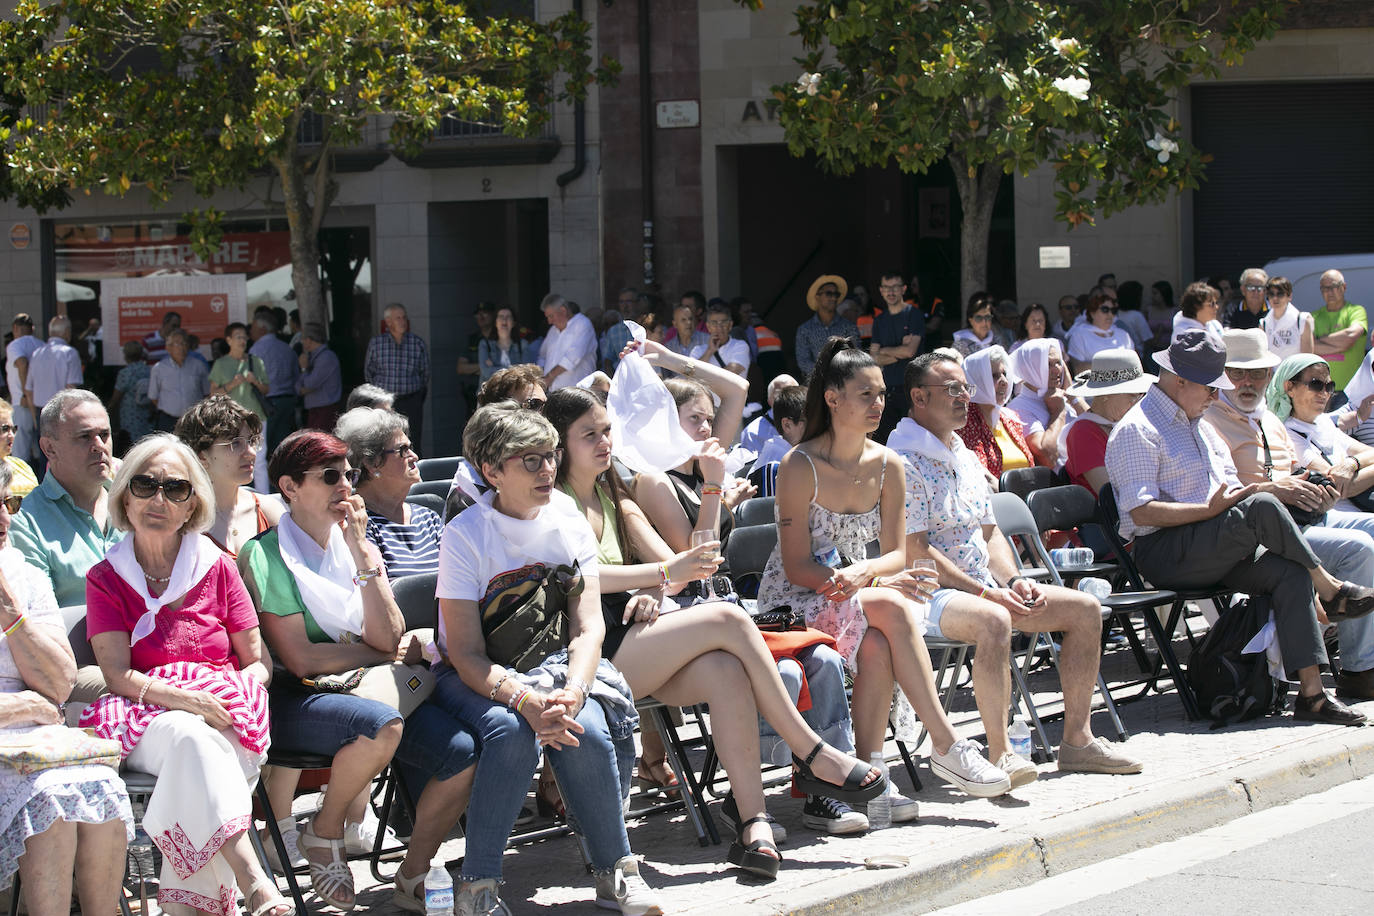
(926, 567)
(706, 537)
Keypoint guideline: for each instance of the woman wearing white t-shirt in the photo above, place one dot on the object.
(1289, 328)
(1198, 310)
(1099, 331)
(518, 530)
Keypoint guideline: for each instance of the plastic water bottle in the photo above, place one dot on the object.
(879, 807)
(1020, 737)
(1098, 588)
(1071, 557)
(438, 890)
(827, 554)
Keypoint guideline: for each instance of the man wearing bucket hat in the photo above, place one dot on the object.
(1194, 525)
(1264, 455)
(823, 298)
(981, 597)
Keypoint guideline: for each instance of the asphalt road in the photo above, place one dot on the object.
(1310, 856)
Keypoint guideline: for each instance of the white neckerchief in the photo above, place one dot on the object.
(910, 436)
(195, 556)
(333, 599)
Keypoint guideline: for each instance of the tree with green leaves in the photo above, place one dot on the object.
(117, 95)
(1003, 86)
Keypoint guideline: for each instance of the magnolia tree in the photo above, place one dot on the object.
(1002, 86)
(115, 96)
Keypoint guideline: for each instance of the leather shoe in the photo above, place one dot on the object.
(1356, 685)
(1350, 602)
(1322, 707)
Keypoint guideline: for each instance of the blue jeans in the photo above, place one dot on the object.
(508, 755)
(306, 722)
(1344, 542)
(593, 778)
(829, 712)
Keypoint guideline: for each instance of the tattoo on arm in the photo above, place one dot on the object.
(784, 523)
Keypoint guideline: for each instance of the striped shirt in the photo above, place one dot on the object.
(407, 549)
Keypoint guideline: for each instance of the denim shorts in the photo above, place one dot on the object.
(307, 722)
(938, 601)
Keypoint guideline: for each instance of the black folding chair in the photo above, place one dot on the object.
(756, 511)
(1024, 481)
(1109, 520)
(439, 488)
(438, 468)
(432, 501)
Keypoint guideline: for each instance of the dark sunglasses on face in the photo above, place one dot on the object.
(143, 486)
(1109, 309)
(330, 476)
(1317, 386)
(12, 504)
(535, 404)
(6, 428)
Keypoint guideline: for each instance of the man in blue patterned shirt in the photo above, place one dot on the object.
(823, 298)
(1194, 525)
(398, 361)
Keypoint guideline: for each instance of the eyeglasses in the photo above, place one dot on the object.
(1317, 386)
(12, 504)
(1328, 287)
(719, 323)
(239, 444)
(1109, 309)
(973, 318)
(402, 449)
(535, 404)
(330, 477)
(6, 428)
(1254, 375)
(143, 486)
(1252, 288)
(955, 389)
(535, 463)
(892, 287)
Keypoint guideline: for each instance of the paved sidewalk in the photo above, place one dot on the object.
(962, 848)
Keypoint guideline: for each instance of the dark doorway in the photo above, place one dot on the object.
(479, 251)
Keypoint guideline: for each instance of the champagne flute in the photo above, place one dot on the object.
(706, 537)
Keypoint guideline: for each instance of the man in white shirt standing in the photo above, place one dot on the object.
(53, 366)
(726, 351)
(17, 356)
(568, 353)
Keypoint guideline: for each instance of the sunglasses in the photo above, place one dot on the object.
(8, 428)
(330, 477)
(1254, 375)
(239, 444)
(12, 504)
(1109, 309)
(973, 318)
(400, 450)
(1317, 386)
(1251, 288)
(535, 404)
(535, 463)
(143, 486)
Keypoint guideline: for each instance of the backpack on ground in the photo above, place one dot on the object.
(1232, 686)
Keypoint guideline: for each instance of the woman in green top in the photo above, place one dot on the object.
(240, 372)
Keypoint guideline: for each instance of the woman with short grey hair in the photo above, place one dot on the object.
(407, 535)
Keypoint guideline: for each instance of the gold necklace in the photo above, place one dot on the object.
(854, 474)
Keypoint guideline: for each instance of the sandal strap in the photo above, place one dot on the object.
(760, 819)
(815, 752)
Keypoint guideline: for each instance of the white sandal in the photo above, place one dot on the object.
(274, 900)
(332, 880)
(404, 893)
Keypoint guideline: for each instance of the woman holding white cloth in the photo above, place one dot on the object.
(1042, 403)
(177, 640)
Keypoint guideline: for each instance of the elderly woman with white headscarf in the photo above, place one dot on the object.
(994, 432)
(1042, 403)
(177, 640)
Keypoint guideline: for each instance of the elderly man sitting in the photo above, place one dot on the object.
(1264, 455)
(1195, 525)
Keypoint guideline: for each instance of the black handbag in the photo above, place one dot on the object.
(780, 619)
(525, 614)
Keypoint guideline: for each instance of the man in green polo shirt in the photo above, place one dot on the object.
(63, 527)
(1340, 329)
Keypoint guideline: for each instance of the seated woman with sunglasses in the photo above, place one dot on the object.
(177, 640)
(1299, 393)
(1098, 331)
(407, 535)
(981, 332)
(227, 437)
(522, 384)
(711, 653)
(518, 528)
(326, 607)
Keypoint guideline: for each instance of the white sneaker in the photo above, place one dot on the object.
(904, 810)
(966, 767)
(480, 898)
(359, 838)
(1020, 770)
(623, 889)
(291, 840)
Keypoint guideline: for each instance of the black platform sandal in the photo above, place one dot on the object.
(853, 791)
(751, 858)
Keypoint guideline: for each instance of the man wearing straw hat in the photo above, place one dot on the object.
(824, 299)
(1264, 455)
(1194, 524)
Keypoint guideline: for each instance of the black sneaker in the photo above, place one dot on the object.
(832, 816)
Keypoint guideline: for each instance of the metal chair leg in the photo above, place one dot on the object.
(280, 845)
(1020, 687)
(696, 809)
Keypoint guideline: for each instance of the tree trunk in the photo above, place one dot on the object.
(977, 195)
(301, 220)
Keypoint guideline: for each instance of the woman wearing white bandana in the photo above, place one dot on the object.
(1042, 403)
(327, 608)
(177, 640)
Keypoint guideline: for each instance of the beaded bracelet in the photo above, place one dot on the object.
(144, 692)
(16, 625)
(505, 677)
